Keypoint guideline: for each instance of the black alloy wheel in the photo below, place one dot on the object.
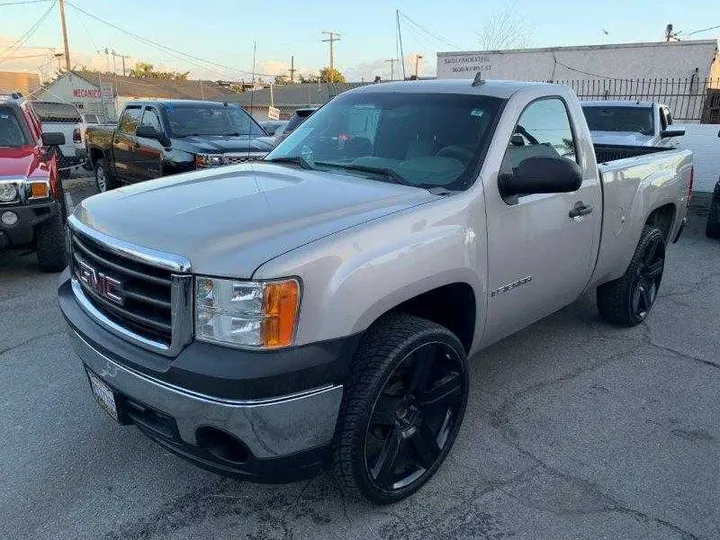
(418, 409)
(402, 408)
(648, 277)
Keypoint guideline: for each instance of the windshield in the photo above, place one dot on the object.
(425, 140)
(220, 121)
(11, 132)
(637, 119)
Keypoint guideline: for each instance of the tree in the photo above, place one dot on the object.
(144, 70)
(310, 78)
(335, 76)
(282, 79)
(505, 29)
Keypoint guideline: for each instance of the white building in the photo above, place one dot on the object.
(675, 59)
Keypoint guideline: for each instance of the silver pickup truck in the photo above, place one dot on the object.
(267, 320)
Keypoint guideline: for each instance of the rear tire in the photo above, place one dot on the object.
(627, 301)
(402, 409)
(104, 179)
(51, 243)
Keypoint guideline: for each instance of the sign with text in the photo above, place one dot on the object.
(273, 113)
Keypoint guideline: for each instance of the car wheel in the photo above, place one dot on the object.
(403, 408)
(51, 243)
(712, 228)
(627, 301)
(104, 180)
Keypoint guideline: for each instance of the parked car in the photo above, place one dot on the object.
(66, 119)
(296, 120)
(272, 126)
(32, 203)
(160, 138)
(638, 123)
(326, 310)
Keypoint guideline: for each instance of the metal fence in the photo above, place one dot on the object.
(690, 99)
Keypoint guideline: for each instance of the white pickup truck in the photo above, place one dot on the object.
(268, 319)
(634, 123)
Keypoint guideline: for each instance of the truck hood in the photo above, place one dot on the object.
(216, 145)
(229, 221)
(627, 138)
(23, 161)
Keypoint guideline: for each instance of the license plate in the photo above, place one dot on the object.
(104, 395)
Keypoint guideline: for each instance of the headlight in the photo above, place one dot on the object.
(246, 313)
(8, 192)
(208, 160)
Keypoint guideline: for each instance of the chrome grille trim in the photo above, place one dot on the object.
(160, 259)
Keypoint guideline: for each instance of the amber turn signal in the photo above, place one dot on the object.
(281, 302)
(39, 190)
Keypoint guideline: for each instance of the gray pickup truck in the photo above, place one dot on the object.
(267, 320)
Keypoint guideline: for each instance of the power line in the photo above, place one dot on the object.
(22, 3)
(27, 35)
(580, 70)
(430, 33)
(703, 30)
(82, 23)
(164, 47)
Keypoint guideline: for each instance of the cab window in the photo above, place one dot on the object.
(543, 130)
(129, 120)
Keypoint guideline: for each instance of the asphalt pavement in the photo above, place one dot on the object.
(575, 430)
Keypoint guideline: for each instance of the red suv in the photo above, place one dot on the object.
(32, 203)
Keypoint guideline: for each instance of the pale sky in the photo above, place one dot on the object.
(222, 31)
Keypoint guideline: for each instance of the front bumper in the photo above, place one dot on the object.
(287, 436)
(29, 217)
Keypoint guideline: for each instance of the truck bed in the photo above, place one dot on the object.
(605, 153)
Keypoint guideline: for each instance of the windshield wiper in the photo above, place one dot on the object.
(296, 160)
(387, 173)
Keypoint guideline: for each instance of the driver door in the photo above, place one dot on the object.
(539, 258)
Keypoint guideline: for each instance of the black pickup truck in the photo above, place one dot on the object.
(160, 138)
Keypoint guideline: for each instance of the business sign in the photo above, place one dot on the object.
(273, 113)
(106, 92)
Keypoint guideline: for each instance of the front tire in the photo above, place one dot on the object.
(403, 408)
(51, 243)
(627, 301)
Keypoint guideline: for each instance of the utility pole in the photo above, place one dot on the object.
(399, 33)
(292, 69)
(392, 67)
(332, 38)
(64, 33)
(122, 56)
(418, 57)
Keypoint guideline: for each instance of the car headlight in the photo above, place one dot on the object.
(246, 313)
(208, 160)
(8, 192)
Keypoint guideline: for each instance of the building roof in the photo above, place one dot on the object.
(158, 88)
(294, 95)
(639, 45)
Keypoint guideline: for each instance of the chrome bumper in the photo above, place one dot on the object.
(269, 428)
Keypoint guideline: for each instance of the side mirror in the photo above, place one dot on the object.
(672, 132)
(53, 139)
(541, 174)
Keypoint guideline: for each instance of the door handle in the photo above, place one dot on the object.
(580, 209)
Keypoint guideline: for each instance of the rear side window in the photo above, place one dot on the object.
(543, 130)
(130, 120)
(50, 112)
(11, 132)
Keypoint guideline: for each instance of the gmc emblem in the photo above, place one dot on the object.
(102, 284)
